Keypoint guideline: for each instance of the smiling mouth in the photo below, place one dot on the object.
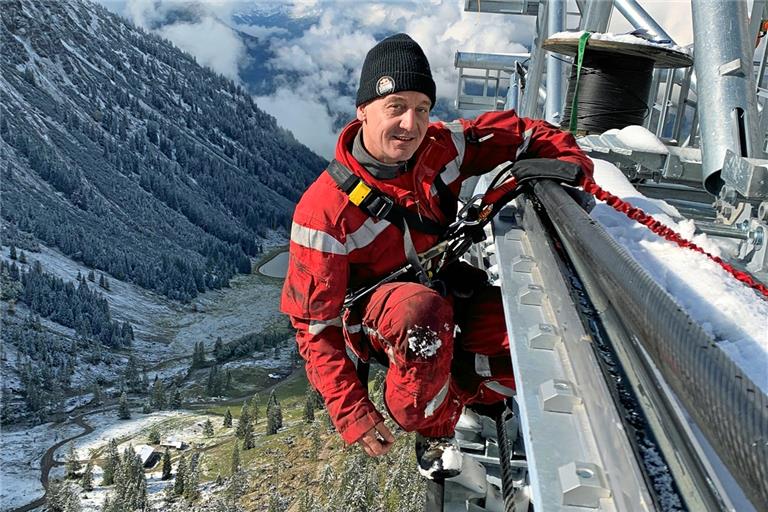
(403, 138)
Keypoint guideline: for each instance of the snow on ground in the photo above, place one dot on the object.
(247, 306)
(732, 313)
(20, 452)
(107, 426)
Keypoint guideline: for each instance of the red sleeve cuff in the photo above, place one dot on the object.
(352, 432)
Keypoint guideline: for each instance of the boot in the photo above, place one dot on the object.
(438, 457)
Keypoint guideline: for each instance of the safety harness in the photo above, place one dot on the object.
(379, 205)
(453, 240)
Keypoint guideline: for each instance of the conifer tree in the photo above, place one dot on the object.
(192, 479)
(97, 398)
(315, 440)
(215, 381)
(274, 415)
(144, 381)
(235, 461)
(91, 276)
(167, 468)
(111, 464)
(238, 483)
(228, 381)
(73, 464)
(132, 375)
(275, 503)
(176, 400)
(208, 428)
(130, 484)
(181, 474)
(103, 282)
(62, 497)
(146, 408)
(154, 435)
(123, 411)
(227, 419)
(253, 409)
(22, 257)
(158, 394)
(218, 349)
(245, 418)
(198, 355)
(306, 503)
(249, 439)
(13, 254)
(86, 481)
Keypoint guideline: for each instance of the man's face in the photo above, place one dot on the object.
(395, 125)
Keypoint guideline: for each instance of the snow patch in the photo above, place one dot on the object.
(641, 139)
(423, 341)
(728, 310)
(621, 38)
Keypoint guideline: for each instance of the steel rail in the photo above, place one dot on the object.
(730, 410)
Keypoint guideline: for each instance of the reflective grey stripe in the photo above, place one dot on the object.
(449, 174)
(436, 402)
(526, 142)
(353, 329)
(373, 332)
(316, 239)
(317, 326)
(499, 388)
(482, 365)
(365, 234)
(459, 140)
(451, 171)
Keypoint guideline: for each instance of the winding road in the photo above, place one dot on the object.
(48, 462)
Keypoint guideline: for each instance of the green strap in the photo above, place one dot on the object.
(575, 104)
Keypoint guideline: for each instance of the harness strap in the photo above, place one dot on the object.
(378, 204)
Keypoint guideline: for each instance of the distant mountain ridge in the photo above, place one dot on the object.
(123, 152)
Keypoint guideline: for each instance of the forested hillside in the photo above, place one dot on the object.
(121, 151)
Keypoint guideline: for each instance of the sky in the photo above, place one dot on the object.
(325, 58)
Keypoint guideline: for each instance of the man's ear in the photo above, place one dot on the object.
(361, 113)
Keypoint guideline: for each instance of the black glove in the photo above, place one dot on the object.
(462, 279)
(547, 168)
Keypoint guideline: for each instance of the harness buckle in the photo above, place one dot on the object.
(379, 206)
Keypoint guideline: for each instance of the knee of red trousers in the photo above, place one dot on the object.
(401, 320)
(434, 416)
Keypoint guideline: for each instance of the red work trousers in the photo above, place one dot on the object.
(436, 368)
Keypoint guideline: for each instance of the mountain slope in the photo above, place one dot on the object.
(121, 151)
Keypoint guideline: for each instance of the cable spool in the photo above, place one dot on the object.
(614, 83)
(613, 92)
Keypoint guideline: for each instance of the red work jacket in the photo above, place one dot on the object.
(335, 246)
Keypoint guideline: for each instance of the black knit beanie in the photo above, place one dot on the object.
(396, 63)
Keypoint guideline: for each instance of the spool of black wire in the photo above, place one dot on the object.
(614, 83)
(613, 92)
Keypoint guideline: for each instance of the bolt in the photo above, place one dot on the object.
(585, 473)
(757, 236)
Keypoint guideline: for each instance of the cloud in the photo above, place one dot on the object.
(211, 42)
(196, 28)
(305, 116)
(324, 61)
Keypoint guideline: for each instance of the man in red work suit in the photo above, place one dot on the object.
(443, 349)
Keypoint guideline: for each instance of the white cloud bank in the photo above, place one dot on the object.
(318, 70)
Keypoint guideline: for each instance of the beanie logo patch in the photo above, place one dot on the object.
(385, 85)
